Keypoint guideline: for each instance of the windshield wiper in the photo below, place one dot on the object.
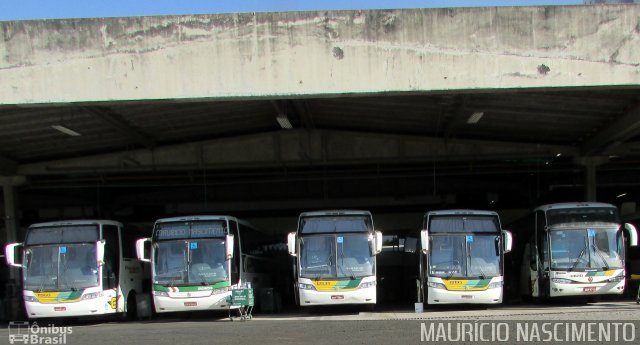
(175, 278)
(482, 274)
(65, 267)
(584, 250)
(598, 252)
(352, 276)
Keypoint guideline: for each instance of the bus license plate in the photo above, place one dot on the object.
(337, 297)
(467, 297)
(589, 289)
(59, 308)
(190, 304)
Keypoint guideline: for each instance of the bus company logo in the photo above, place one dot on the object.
(21, 332)
(590, 279)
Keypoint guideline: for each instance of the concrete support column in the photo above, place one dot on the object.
(9, 184)
(590, 176)
(11, 306)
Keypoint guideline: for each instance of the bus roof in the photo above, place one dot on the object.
(76, 222)
(547, 207)
(461, 213)
(336, 213)
(196, 217)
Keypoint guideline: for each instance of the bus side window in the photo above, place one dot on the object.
(111, 257)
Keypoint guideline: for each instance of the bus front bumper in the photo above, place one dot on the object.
(165, 304)
(586, 289)
(97, 306)
(442, 296)
(359, 296)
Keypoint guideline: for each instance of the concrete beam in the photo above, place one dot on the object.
(622, 129)
(280, 55)
(7, 166)
(297, 147)
(115, 121)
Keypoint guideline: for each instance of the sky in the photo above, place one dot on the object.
(50, 9)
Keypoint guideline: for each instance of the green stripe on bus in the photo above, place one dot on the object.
(348, 284)
(477, 283)
(69, 295)
(218, 285)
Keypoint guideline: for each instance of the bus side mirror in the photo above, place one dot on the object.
(378, 242)
(10, 254)
(100, 252)
(229, 246)
(424, 241)
(291, 243)
(633, 234)
(143, 249)
(508, 240)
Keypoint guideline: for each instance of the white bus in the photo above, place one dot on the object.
(197, 260)
(335, 258)
(77, 268)
(574, 249)
(462, 257)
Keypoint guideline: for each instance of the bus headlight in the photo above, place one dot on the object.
(161, 293)
(561, 281)
(91, 295)
(304, 286)
(496, 285)
(616, 279)
(30, 299)
(367, 285)
(436, 285)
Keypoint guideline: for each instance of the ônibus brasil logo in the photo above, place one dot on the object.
(21, 332)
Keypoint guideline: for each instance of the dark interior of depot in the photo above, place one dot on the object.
(398, 156)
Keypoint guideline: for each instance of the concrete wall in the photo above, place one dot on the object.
(318, 53)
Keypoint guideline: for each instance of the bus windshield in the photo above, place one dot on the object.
(190, 262)
(464, 256)
(68, 267)
(583, 249)
(334, 256)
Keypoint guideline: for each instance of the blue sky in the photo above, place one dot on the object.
(41, 9)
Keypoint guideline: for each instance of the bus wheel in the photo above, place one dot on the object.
(132, 307)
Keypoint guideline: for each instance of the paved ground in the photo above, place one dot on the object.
(344, 326)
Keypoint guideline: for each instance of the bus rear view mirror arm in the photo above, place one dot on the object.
(141, 246)
(100, 253)
(378, 242)
(508, 240)
(424, 241)
(229, 246)
(291, 243)
(10, 254)
(633, 234)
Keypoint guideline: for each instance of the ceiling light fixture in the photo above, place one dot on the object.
(475, 117)
(66, 130)
(621, 195)
(558, 154)
(283, 121)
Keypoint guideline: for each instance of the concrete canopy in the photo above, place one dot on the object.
(154, 97)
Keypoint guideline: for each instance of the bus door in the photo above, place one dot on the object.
(543, 266)
(111, 267)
